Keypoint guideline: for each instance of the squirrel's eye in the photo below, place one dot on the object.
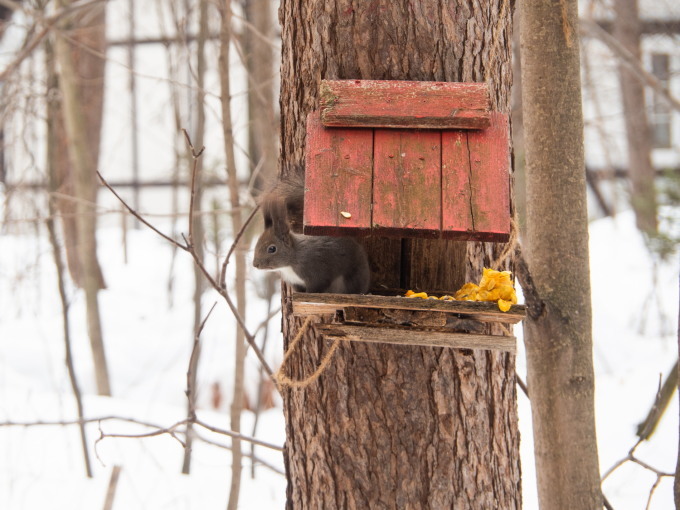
(271, 248)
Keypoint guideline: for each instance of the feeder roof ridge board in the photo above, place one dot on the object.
(404, 104)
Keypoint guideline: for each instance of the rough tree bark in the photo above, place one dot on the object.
(81, 75)
(558, 341)
(627, 30)
(387, 426)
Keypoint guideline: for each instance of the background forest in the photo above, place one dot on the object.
(126, 380)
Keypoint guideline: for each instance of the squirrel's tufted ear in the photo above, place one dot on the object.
(279, 218)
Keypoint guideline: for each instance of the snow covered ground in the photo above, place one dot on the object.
(147, 330)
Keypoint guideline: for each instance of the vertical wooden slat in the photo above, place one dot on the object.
(456, 203)
(337, 179)
(490, 181)
(407, 182)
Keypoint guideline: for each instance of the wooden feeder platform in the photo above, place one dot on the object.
(410, 321)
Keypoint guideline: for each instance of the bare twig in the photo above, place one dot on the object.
(254, 458)
(48, 24)
(67, 342)
(522, 385)
(632, 458)
(665, 392)
(222, 291)
(159, 430)
(594, 30)
(191, 390)
(139, 216)
(237, 238)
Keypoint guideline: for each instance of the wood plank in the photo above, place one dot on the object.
(406, 182)
(305, 303)
(490, 179)
(456, 206)
(409, 336)
(404, 104)
(338, 178)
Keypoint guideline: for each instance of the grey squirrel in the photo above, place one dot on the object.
(308, 263)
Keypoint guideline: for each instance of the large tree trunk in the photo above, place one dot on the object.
(388, 426)
(558, 341)
(627, 30)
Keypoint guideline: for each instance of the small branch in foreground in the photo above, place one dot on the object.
(189, 249)
(632, 458)
(159, 429)
(139, 216)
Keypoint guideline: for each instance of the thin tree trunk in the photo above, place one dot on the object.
(52, 110)
(676, 482)
(558, 341)
(263, 132)
(82, 128)
(134, 125)
(391, 426)
(627, 30)
(198, 227)
(240, 265)
(88, 43)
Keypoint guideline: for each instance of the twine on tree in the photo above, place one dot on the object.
(283, 380)
(509, 246)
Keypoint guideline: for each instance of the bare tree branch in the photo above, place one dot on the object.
(159, 430)
(48, 24)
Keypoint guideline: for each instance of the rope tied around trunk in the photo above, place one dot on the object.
(283, 380)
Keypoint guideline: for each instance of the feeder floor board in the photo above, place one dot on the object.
(319, 304)
(421, 337)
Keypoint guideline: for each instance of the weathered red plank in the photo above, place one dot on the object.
(407, 182)
(490, 180)
(338, 178)
(404, 104)
(456, 210)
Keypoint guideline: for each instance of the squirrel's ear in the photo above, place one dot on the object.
(279, 218)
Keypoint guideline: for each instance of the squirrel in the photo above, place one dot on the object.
(309, 263)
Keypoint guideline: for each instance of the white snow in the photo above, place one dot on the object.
(147, 330)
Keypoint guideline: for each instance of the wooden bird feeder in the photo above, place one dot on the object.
(407, 159)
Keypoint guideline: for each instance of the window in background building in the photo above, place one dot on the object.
(660, 117)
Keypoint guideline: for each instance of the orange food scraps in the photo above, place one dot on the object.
(494, 286)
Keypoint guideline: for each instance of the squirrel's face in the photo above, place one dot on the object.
(272, 252)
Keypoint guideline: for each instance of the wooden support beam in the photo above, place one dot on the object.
(408, 336)
(402, 104)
